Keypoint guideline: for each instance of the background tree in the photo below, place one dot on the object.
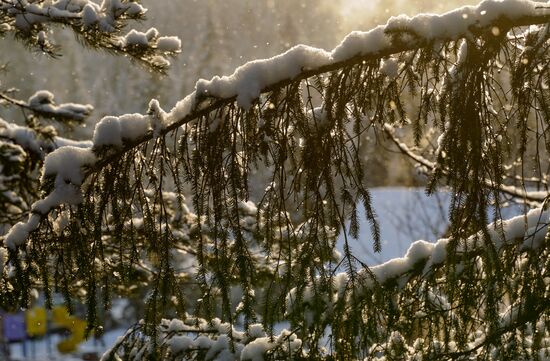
(473, 79)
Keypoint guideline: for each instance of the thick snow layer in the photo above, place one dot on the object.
(169, 43)
(535, 221)
(183, 108)
(133, 126)
(62, 142)
(256, 330)
(90, 15)
(255, 350)
(113, 131)
(362, 43)
(247, 81)
(19, 233)
(180, 344)
(158, 117)
(65, 164)
(108, 132)
(23, 136)
(166, 44)
(530, 230)
(135, 37)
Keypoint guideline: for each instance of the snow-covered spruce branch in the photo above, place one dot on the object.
(197, 339)
(33, 142)
(430, 290)
(525, 233)
(23, 150)
(98, 25)
(534, 197)
(42, 104)
(248, 82)
(192, 338)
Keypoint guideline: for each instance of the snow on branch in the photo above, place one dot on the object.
(99, 25)
(406, 296)
(525, 232)
(42, 104)
(399, 34)
(188, 339)
(32, 142)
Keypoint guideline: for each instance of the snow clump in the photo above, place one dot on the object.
(169, 43)
(114, 131)
(43, 102)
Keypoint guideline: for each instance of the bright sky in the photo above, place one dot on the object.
(367, 13)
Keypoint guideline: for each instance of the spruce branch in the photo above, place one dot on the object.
(42, 104)
(99, 27)
(200, 105)
(535, 198)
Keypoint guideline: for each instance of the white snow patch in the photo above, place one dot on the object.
(180, 344)
(135, 37)
(23, 136)
(66, 164)
(255, 350)
(249, 80)
(43, 102)
(256, 330)
(89, 16)
(113, 131)
(359, 43)
(158, 117)
(19, 233)
(169, 43)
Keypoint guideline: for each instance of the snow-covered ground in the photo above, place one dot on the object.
(45, 349)
(404, 214)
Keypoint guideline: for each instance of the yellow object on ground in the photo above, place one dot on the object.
(36, 320)
(60, 315)
(76, 326)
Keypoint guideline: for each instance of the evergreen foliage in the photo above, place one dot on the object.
(96, 26)
(476, 104)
